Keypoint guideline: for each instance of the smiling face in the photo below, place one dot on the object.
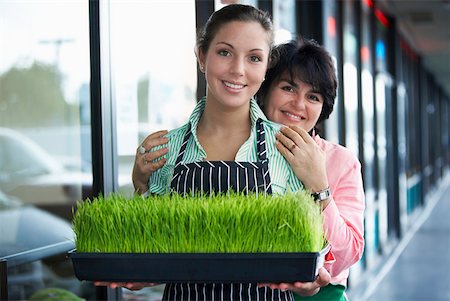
(293, 102)
(235, 63)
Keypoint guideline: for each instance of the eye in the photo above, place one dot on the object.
(224, 53)
(315, 98)
(255, 59)
(287, 88)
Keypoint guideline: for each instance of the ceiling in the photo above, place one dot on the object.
(426, 26)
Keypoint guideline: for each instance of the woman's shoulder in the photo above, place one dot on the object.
(175, 137)
(179, 131)
(271, 126)
(337, 152)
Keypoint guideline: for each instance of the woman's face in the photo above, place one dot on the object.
(293, 103)
(235, 63)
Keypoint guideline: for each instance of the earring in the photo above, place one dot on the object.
(202, 69)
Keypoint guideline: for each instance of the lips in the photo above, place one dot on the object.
(293, 116)
(235, 86)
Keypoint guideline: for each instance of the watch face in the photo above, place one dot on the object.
(322, 195)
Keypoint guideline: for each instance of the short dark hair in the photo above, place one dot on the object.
(309, 62)
(230, 13)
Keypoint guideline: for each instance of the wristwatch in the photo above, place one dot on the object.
(321, 195)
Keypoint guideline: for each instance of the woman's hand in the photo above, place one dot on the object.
(303, 288)
(144, 164)
(134, 286)
(306, 158)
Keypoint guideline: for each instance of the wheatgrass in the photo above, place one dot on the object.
(223, 223)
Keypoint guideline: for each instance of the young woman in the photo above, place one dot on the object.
(228, 143)
(299, 92)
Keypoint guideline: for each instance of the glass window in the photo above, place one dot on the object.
(367, 83)
(350, 77)
(218, 4)
(154, 75)
(381, 92)
(368, 121)
(44, 80)
(44, 90)
(331, 44)
(284, 20)
(154, 81)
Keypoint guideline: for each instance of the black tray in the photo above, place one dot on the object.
(198, 267)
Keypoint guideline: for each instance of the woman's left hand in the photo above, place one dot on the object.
(132, 286)
(303, 288)
(306, 158)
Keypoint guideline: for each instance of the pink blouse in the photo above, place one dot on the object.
(344, 215)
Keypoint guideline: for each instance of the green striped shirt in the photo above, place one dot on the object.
(282, 176)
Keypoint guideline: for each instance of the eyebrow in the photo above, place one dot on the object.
(231, 46)
(289, 81)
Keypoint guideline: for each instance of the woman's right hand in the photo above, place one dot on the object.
(145, 164)
(306, 158)
(303, 288)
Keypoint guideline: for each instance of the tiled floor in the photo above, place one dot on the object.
(422, 271)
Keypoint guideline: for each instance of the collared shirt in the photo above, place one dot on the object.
(344, 215)
(282, 176)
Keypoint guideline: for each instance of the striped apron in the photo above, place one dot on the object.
(221, 176)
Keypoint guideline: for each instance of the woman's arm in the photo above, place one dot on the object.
(344, 210)
(344, 216)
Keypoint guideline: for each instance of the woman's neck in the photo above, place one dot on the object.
(222, 131)
(218, 119)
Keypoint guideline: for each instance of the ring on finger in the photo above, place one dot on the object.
(145, 160)
(142, 150)
(293, 146)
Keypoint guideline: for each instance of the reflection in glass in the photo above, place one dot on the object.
(350, 76)
(331, 44)
(284, 20)
(153, 70)
(369, 138)
(401, 151)
(380, 86)
(154, 81)
(34, 175)
(44, 136)
(351, 107)
(44, 79)
(218, 4)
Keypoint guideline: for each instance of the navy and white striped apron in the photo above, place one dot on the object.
(221, 176)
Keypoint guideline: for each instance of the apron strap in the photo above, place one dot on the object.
(183, 147)
(261, 141)
(262, 154)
